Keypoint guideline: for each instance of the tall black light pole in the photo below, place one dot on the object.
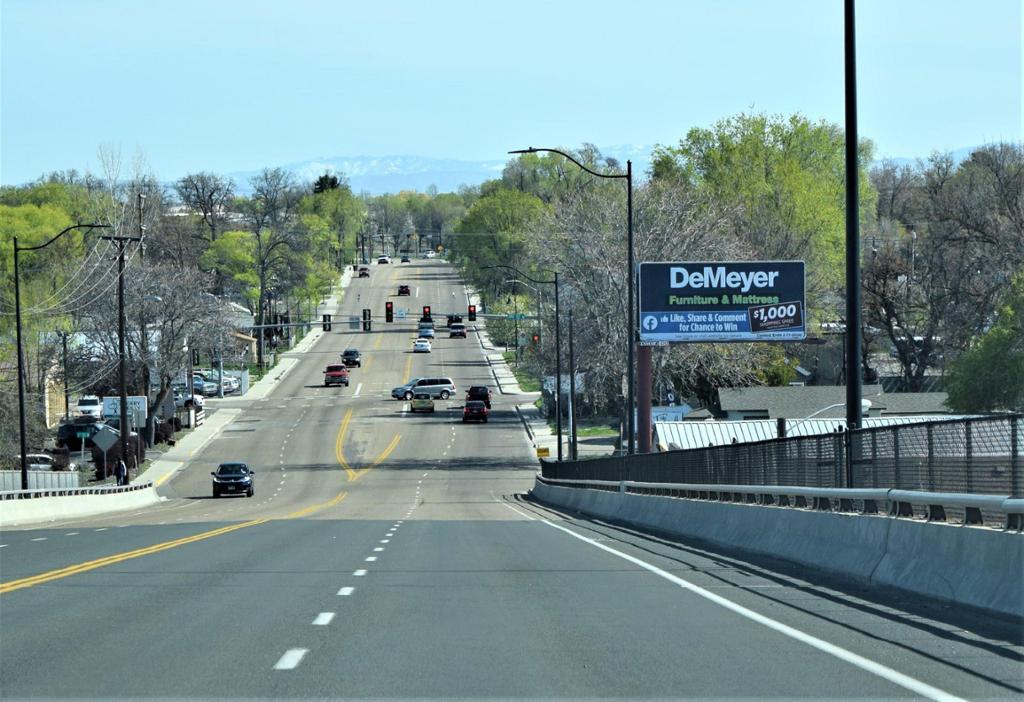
(558, 345)
(631, 266)
(853, 331)
(122, 370)
(22, 422)
(573, 445)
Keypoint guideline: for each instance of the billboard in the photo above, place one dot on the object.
(722, 301)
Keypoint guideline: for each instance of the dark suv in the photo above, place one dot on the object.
(352, 357)
(235, 478)
(479, 392)
(404, 290)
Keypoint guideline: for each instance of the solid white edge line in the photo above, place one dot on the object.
(291, 658)
(895, 677)
(346, 591)
(519, 512)
(323, 619)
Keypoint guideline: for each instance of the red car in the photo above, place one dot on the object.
(474, 410)
(336, 374)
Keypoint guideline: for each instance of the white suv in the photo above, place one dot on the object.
(90, 405)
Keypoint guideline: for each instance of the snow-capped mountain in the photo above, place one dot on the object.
(392, 174)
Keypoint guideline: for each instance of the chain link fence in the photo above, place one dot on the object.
(979, 455)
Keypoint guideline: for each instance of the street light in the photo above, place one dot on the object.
(558, 344)
(865, 405)
(23, 424)
(631, 266)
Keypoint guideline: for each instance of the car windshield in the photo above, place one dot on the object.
(335, 369)
(233, 469)
(88, 401)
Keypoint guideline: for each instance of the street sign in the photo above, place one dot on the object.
(517, 315)
(543, 452)
(105, 438)
(137, 405)
(81, 434)
(722, 301)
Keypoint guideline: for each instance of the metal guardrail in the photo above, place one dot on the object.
(72, 492)
(900, 503)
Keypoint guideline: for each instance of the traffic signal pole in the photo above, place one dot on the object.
(644, 387)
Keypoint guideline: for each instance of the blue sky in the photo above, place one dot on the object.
(231, 85)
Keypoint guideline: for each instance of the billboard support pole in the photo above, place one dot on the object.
(643, 396)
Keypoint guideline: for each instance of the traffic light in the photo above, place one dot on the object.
(389, 311)
(472, 313)
(327, 322)
(535, 340)
(195, 357)
(367, 324)
(426, 312)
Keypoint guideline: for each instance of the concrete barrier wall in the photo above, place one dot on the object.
(49, 509)
(973, 566)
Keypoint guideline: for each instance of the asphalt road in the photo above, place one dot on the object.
(395, 555)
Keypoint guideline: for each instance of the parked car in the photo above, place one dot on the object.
(90, 405)
(421, 346)
(182, 397)
(479, 392)
(67, 433)
(352, 357)
(404, 290)
(45, 461)
(474, 411)
(434, 386)
(457, 330)
(364, 272)
(203, 386)
(421, 402)
(336, 374)
(233, 478)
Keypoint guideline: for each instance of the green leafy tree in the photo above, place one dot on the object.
(990, 375)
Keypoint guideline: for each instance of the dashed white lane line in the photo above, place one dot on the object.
(323, 619)
(359, 389)
(3, 545)
(371, 559)
(379, 548)
(291, 658)
(425, 475)
(359, 573)
(865, 664)
(385, 541)
(39, 538)
(346, 591)
(100, 529)
(71, 533)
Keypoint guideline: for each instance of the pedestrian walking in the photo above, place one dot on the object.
(121, 471)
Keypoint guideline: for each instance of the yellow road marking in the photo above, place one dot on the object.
(339, 444)
(356, 475)
(166, 477)
(408, 369)
(380, 338)
(315, 508)
(30, 581)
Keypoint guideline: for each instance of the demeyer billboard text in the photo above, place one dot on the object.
(722, 301)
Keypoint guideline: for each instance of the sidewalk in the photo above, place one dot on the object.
(177, 457)
(538, 433)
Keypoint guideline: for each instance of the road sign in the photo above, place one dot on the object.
(81, 434)
(722, 301)
(137, 405)
(517, 315)
(104, 439)
(543, 452)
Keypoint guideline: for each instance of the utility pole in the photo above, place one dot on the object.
(122, 371)
(573, 445)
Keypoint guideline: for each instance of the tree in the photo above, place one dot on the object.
(990, 375)
(209, 196)
(328, 181)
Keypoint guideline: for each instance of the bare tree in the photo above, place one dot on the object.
(209, 195)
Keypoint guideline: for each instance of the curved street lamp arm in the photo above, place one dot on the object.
(62, 233)
(532, 150)
(520, 273)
